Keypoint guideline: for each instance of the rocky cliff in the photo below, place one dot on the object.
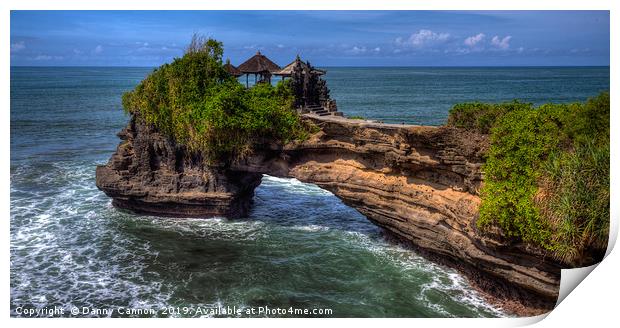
(420, 183)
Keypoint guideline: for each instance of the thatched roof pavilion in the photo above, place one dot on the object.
(231, 69)
(260, 66)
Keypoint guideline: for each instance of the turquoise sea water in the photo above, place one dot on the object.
(300, 246)
(424, 95)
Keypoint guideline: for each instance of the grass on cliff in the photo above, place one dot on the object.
(197, 103)
(546, 173)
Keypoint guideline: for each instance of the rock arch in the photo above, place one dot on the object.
(419, 182)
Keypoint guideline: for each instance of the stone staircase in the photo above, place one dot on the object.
(321, 111)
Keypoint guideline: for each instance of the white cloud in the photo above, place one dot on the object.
(367, 50)
(358, 50)
(578, 50)
(18, 46)
(462, 51)
(501, 43)
(98, 49)
(253, 47)
(474, 40)
(423, 37)
(47, 57)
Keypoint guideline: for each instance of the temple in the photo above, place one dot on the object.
(310, 90)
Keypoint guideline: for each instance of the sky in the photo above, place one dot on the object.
(326, 38)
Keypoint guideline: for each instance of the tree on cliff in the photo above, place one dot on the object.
(195, 101)
(546, 174)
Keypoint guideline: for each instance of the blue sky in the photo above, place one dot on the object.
(326, 38)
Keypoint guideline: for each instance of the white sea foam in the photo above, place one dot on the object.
(69, 245)
(47, 254)
(443, 279)
(212, 228)
(311, 228)
(295, 186)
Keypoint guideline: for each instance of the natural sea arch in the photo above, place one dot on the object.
(421, 183)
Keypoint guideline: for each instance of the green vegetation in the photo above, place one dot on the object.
(197, 103)
(479, 116)
(576, 200)
(546, 173)
(356, 117)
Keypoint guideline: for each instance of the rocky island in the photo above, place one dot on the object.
(423, 184)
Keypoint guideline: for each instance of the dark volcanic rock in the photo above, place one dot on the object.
(151, 174)
(420, 183)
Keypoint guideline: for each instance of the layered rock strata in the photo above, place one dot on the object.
(420, 183)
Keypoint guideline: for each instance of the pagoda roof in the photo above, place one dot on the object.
(288, 69)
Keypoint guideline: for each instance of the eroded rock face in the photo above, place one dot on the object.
(150, 174)
(420, 183)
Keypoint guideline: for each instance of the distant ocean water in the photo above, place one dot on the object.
(424, 95)
(300, 247)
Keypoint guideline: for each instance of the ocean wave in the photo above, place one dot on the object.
(70, 247)
(294, 186)
(311, 228)
(445, 280)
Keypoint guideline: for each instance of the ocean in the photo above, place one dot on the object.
(300, 247)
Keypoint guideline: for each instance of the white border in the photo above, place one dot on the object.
(592, 303)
